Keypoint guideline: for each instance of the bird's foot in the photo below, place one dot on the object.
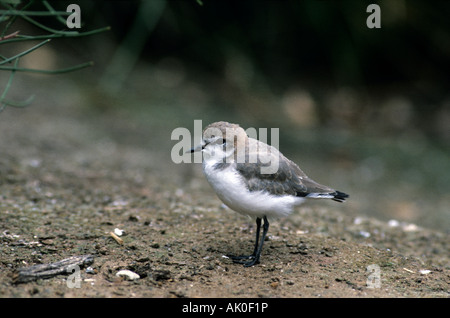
(242, 259)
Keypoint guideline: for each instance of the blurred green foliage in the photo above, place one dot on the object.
(10, 12)
(396, 76)
(320, 46)
(323, 41)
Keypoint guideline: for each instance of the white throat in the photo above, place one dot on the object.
(217, 154)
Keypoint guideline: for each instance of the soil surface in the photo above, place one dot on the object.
(69, 176)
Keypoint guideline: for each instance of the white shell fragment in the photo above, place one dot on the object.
(364, 234)
(127, 274)
(410, 228)
(393, 223)
(118, 232)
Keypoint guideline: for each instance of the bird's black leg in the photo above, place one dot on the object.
(263, 238)
(258, 229)
(237, 259)
(254, 258)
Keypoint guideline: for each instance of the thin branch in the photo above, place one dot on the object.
(50, 8)
(25, 15)
(10, 16)
(25, 52)
(13, 103)
(7, 87)
(60, 71)
(21, 38)
(13, 19)
(33, 13)
(9, 36)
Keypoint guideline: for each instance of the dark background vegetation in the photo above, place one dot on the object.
(364, 110)
(320, 46)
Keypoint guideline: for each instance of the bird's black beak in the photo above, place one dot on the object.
(197, 148)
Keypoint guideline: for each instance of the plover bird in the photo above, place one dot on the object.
(238, 169)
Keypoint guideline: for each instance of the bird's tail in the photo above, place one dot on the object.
(336, 195)
(339, 196)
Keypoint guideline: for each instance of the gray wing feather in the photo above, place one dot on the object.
(288, 179)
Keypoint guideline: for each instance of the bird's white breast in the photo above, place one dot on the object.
(232, 190)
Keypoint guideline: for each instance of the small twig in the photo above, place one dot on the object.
(116, 238)
(408, 270)
(9, 36)
(44, 271)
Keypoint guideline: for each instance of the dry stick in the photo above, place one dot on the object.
(43, 271)
(115, 237)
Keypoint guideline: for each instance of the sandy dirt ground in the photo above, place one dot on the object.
(70, 176)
